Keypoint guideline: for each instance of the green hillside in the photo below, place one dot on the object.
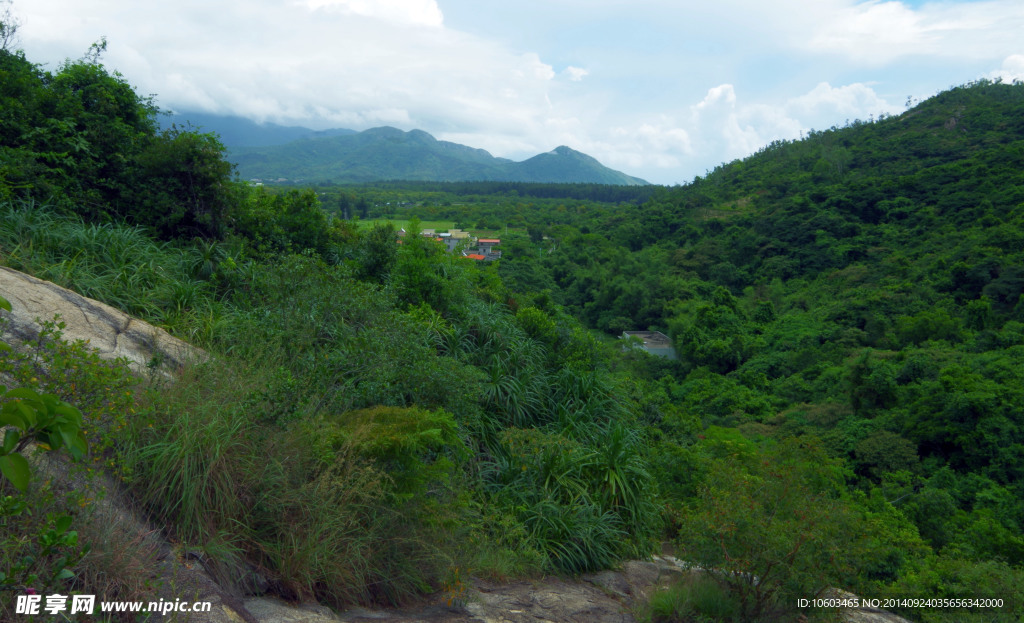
(862, 286)
(391, 154)
(564, 165)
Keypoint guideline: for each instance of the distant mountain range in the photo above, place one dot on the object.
(274, 152)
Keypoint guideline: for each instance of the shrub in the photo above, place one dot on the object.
(939, 577)
(348, 508)
(697, 597)
(37, 544)
(776, 527)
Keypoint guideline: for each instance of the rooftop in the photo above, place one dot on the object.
(651, 339)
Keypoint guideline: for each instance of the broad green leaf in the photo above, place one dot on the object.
(24, 393)
(15, 469)
(29, 414)
(75, 442)
(10, 416)
(51, 402)
(63, 523)
(71, 412)
(56, 439)
(11, 439)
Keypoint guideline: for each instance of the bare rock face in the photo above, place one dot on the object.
(612, 596)
(112, 332)
(266, 609)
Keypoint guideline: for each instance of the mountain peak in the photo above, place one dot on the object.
(386, 152)
(563, 150)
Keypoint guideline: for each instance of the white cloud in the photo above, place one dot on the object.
(725, 125)
(539, 69)
(658, 142)
(575, 74)
(723, 93)
(717, 121)
(317, 62)
(873, 31)
(416, 12)
(1012, 69)
(878, 32)
(850, 101)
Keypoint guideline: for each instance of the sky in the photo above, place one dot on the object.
(665, 90)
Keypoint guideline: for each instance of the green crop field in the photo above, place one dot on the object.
(404, 223)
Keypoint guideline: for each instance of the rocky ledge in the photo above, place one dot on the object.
(113, 333)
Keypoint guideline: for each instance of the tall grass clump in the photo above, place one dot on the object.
(194, 289)
(696, 597)
(115, 263)
(340, 509)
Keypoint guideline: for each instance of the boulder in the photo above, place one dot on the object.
(113, 333)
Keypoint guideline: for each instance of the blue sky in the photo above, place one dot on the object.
(660, 89)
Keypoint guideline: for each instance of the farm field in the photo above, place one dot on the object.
(404, 223)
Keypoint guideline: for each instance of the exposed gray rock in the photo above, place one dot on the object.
(605, 597)
(173, 577)
(267, 609)
(113, 333)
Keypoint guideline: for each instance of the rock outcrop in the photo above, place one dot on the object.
(612, 596)
(113, 333)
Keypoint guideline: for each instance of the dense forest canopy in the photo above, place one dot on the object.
(846, 409)
(863, 285)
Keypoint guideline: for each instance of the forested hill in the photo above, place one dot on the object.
(391, 154)
(958, 153)
(936, 189)
(863, 285)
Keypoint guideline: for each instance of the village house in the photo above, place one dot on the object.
(483, 249)
(456, 236)
(486, 247)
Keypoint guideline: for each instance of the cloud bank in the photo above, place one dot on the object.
(662, 89)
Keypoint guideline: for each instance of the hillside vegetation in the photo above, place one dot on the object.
(863, 287)
(390, 154)
(380, 421)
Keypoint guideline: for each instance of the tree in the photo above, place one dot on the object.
(182, 185)
(775, 525)
(8, 27)
(97, 127)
